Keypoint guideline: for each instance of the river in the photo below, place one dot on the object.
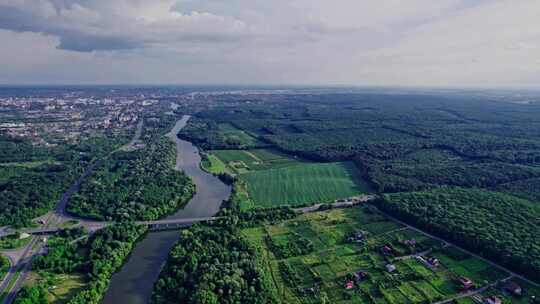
(133, 284)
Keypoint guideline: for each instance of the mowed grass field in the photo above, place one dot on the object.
(304, 184)
(309, 260)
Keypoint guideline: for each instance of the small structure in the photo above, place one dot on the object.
(357, 237)
(387, 250)
(411, 242)
(349, 285)
(466, 283)
(492, 300)
(433, 262)
(513, 288)
(24, 235)
(391, 268)
(360, 276)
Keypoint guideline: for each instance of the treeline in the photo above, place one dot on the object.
(97, 259)
(211, 264)
(497, 226)
(138, 185)
(482, 143)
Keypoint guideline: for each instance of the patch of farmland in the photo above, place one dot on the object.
(305, 184)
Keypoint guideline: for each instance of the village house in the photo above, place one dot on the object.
(391, 268)
(411, 242)
(357, 237)
(513, 288)
(492, 300)
(349, 285)
(466, 283)
(387, 250)
(360, 275)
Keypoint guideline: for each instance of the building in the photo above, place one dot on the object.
(349, 285)
(387, 250)
(360, 275)
(466, 283)
(391, 268)
(492, 300)
(513, 288)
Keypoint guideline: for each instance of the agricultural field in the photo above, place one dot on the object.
(244, 161)
(343, 256)
(304, 184)
(235, 136)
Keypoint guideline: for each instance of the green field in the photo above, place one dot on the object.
(244, 161)
(310, 260)
(304, 184)
(236, 136)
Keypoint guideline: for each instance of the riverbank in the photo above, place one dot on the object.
(135, 281)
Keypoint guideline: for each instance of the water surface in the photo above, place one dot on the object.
(135, 281)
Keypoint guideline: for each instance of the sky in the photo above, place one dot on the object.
(419, 43)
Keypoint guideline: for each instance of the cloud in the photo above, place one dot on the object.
(87, 26)
(369, 42)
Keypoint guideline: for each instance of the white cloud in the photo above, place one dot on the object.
(365, 42)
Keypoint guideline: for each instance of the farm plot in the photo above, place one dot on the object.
(243, 161)
(304, 184)
(337, 257)
(236, 136)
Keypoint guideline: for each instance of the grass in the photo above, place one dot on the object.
(68, 224)
(304, 184)
(237, 136)
(213, 165)
(307, 277)
(244, 161)
(65, 287)
(13, 241)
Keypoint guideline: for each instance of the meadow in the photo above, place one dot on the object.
(311, 259)
(244, 161)
(304, 184)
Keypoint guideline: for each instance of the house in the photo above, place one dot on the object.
(513, 288)
(360, 275)
(391, 268)
(357, 237)
(387, 250)
(411, 242)
(349, 285)
(466, 283)
(433, 262)
(492, 300)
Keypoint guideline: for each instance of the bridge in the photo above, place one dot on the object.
(160, 225)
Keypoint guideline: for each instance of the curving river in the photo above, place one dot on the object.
(135, 281)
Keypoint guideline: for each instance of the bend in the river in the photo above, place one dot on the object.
(135, 281)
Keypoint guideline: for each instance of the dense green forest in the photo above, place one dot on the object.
(140, 184)
(96, 259)
(212, 263)
(497, 226)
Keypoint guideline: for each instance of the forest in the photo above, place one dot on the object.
(136, 185)
(96, 259)
(211, 264)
